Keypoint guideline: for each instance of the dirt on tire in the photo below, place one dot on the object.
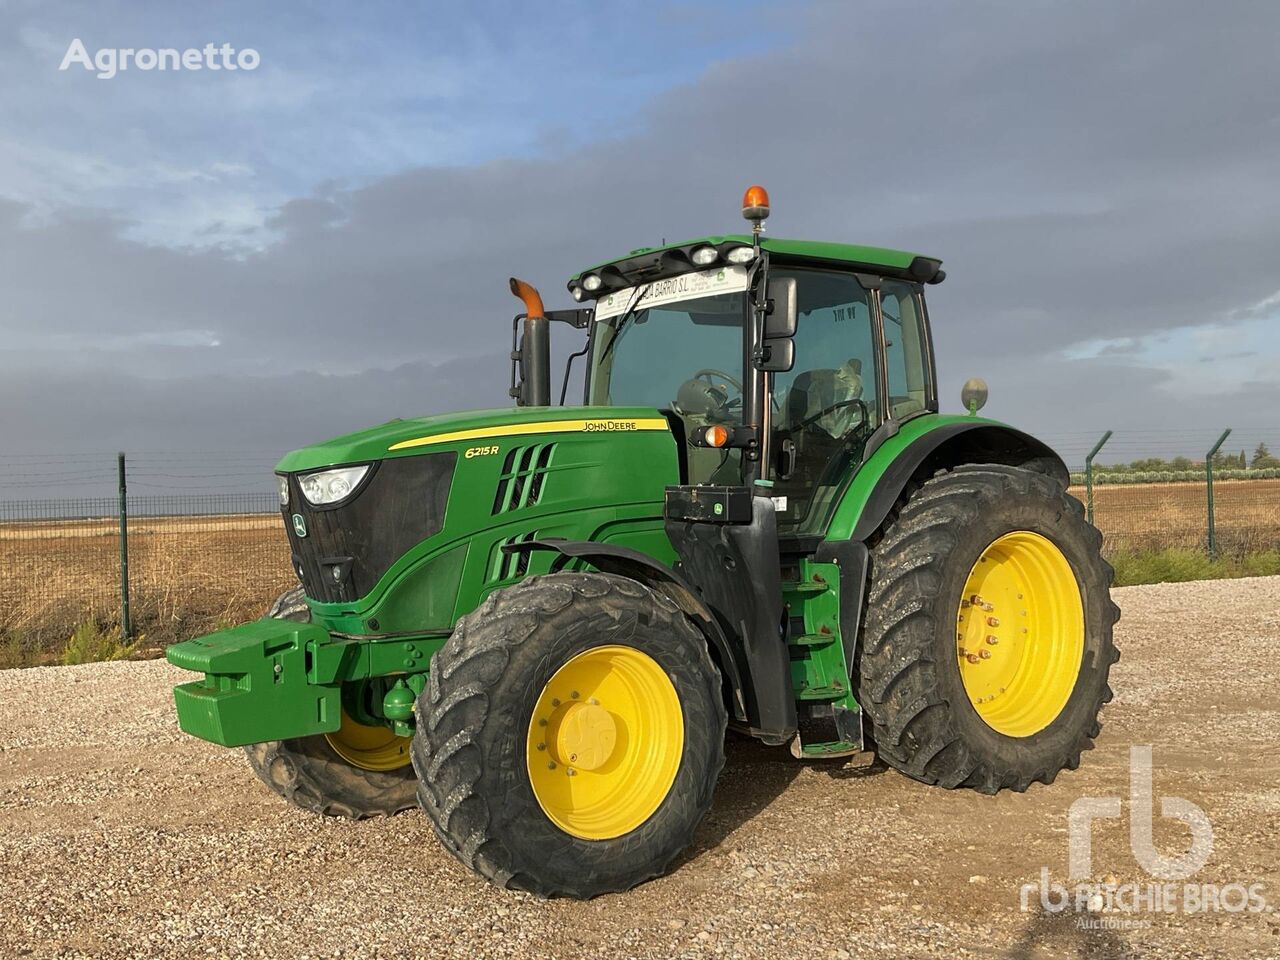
(482, 687)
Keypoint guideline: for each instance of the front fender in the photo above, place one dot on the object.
(626, 562)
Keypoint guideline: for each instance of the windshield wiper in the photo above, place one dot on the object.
(622, 320)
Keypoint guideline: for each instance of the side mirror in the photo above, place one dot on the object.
(781, 318)
(780, 327)
(779, 355)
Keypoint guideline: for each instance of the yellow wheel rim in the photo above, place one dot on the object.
(370, 748)
(605, 742)
(1020, 633)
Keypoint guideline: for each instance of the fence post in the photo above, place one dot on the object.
(126, 627)
(1208, 476)
(1088, 474)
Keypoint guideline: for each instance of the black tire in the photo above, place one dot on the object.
(469, 747)
(308, 773)
(909, 683)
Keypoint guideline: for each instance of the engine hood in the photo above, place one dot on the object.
(399, 438)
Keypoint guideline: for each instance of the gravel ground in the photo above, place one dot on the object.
(119, 837)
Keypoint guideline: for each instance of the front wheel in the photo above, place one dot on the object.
(570, 735)
(988, 643)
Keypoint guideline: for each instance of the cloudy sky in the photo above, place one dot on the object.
(252, 260)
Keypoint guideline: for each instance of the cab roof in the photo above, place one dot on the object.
(647, 263)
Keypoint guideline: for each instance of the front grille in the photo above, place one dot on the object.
(523, 476)
(349, 547)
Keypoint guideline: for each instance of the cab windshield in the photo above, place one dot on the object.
(671, 344)
(675, 345)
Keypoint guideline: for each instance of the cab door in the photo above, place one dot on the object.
(861, 358)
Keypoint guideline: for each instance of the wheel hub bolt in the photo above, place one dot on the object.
(993, 621)
(993, 640)
(971, 657)
(551, 764)
(985, 654)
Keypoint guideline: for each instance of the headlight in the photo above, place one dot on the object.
(704, 256)
(330, 486)
(282, 484)
(741, 255)
(577, 292)
(592, 282)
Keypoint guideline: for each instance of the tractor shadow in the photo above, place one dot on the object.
(754, 776)
(1064, 934)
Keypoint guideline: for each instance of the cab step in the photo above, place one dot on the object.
(836, 748)
(805, 586)
(833, 692)
(811, 639)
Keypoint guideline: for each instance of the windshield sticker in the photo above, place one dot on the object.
(687, 286)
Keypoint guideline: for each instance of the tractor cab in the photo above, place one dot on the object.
(776, 361)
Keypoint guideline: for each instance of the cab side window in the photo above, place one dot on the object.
(906, 361)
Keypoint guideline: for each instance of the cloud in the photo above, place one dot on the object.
(1082, 184)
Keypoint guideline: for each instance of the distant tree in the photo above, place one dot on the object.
(1180, 463)
(1262, 458)
(1150, 463)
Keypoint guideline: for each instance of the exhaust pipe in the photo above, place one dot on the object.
(534, 353)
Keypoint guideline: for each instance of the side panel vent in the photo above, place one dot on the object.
(523, 477)
(513, 565)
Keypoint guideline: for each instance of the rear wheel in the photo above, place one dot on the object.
(988, 643)
(358, 771)
(570, 735)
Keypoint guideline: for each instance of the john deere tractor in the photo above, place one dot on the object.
(536, 623)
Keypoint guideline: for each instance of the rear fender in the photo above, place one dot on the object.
(901, 456)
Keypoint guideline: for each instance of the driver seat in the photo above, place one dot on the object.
(815, 390)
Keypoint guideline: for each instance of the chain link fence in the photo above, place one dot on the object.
(193, 562)
(177, 564)
(1135, 518)
(198, 559)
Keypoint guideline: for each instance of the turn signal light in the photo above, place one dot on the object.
(716, 436)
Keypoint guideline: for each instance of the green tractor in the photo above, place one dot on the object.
(537, 623)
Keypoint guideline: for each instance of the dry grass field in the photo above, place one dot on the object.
(187, 575)
(1155, 516)
(191, 574)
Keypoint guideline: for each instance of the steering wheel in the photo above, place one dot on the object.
(701, 395)
(706, 373)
